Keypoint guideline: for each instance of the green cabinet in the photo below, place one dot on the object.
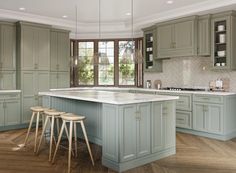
(7, 46)
(60, 52)
(34, 46)
(9, 109)
(223, 26)
(177, 38)
(204, 35)
(32, 83)
(7, 80)
(163, 126)
(135, 131)
(59, 80)
(208, 118)
(151, 64)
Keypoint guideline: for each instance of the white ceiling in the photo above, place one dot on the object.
(113, 13)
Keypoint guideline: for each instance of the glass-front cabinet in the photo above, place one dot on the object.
(151, 64)
(224, 39)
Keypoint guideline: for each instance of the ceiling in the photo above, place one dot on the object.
(113, 12)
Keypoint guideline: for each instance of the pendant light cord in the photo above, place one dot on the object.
(99, 19)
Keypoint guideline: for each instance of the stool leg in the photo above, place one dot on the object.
(58, 127)
(75, 136)
(67, 134)
(29, 128)
(36, 132)
(51, 139)
(44, 128)
(59, 140)
(87, 142)
(70, 145)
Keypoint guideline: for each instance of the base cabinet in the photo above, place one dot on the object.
(135, 131)
(9, 110)
(208, 118)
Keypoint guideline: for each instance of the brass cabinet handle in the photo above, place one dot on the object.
(35, 66)
(0, 64)
(138, 115)
(57, 66)
(180, 119)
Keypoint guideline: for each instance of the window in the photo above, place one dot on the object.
(85, 68)
(105, 63)
(126, 63)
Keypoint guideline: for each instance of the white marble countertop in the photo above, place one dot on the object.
(9, 91)
(108, 97)
(145, 89)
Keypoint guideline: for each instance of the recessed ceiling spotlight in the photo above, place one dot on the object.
(169, 2)
(64, 16)
(128, 14)
(22, 8)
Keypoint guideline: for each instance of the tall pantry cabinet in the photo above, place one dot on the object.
(33, 64)
(59, 59)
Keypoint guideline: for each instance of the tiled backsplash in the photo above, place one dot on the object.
(190, 72)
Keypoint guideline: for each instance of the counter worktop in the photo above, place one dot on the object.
(146, 90)
(9, 91)
(108, 97)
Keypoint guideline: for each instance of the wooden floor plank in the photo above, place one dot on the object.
(194, 155)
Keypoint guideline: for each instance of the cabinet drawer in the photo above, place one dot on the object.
(9, 96)
(184, 119)
(184, 103)
(208, 98)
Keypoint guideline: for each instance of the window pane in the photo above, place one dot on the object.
(106, 63)
(85, 68)
(126, 63)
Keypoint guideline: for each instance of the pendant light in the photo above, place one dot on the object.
(131, 54)
(100, 58)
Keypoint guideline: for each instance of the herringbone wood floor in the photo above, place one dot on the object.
(194, 155)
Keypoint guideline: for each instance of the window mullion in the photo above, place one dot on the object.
(96, 66)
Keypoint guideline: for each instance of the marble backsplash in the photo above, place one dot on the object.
(190, 72)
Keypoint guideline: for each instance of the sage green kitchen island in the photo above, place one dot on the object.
(133, 129)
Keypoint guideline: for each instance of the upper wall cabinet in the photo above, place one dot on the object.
(151, 64)
(204, 35)
(33, 46)
(177, 38)
(223, 27)
(7, 46)
(60, 52)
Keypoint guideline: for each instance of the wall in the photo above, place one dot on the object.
(190, 72)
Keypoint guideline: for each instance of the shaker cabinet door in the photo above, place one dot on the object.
(2, 113)
(165, 37)
(143, 130)
(29, 43)
(215, 119)
(12, 110)
(43, 50)
(200, 117)
(7, 80)
(128, 137)
(63, 51)
(53, 51)
(8, 47)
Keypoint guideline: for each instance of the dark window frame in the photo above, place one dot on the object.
(74, 70)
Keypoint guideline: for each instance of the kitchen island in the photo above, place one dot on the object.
(133, 129)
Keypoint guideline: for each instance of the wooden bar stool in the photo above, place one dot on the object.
(50, 116)
(72, 119)
(36, 111)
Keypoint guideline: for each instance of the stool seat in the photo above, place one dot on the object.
(72, 117)
(38, 109)
(53, 113)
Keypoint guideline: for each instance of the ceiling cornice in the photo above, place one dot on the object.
(116, 28)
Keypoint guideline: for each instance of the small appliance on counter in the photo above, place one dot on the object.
(157, 84)
(149, 84)
(219, 85)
